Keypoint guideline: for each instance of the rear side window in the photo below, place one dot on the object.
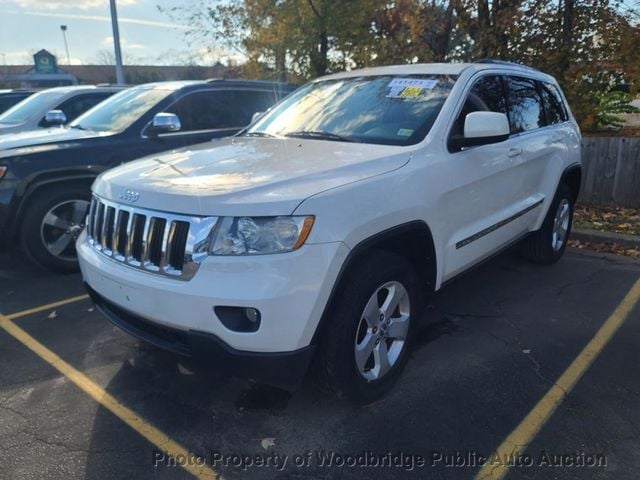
(248, 102)
(553, 104)
(76, 106)
(8, 101)
(218, 109)
(486, 95)
(525, 105)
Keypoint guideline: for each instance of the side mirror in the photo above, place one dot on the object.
(55, 118)
(164, 123)
(486, 125)
(482, 128)
(256, 116)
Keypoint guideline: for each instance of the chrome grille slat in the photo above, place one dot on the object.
(170, 237)
(165, 246)
(97, 223)
(88, 222)
(107, 223)
(156, 242)
(119, 229)
(114, 228)
(136, 239)
(146, 237)
(127, 248)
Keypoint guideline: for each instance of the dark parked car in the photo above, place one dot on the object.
(53, 107)
(45, 176)
(8, 98)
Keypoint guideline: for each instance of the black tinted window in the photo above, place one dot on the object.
(553, 104)
(249, 102)
(486, 95)
(8, 101)
(525, 106)
(77, 105)
(208, 110)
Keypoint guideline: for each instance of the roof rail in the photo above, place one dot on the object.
(246, 80)
(503, 62)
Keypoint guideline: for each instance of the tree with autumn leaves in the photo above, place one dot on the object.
(591, 46)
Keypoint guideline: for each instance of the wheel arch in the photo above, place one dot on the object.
(412, 240)
(40, 184)
(572, 178)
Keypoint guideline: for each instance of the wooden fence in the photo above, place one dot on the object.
(611, 171)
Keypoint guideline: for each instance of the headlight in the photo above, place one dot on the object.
(260, 235)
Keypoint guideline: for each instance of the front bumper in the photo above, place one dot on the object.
(290, 291)
(7, 213)
(285, 370)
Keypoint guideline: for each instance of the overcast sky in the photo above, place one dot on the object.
(147, 35)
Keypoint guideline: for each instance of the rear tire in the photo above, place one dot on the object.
(51, 224)
(365, 346)
(547, 245)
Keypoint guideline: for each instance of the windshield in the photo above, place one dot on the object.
(386, 109)
(121, 110)
(30, 107)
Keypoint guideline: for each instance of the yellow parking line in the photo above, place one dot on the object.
(48, 306)
(516, 443)
(192, 464)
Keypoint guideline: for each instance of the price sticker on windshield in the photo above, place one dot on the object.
(409, 87)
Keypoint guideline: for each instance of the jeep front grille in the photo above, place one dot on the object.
(149, 240)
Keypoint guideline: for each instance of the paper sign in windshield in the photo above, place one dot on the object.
(409, 87)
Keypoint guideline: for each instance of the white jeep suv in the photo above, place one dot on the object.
(317, 231)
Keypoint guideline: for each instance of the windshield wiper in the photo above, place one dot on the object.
(258, 134)
(79, 127)
(320, 135)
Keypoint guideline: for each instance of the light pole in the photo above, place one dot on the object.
(63, 28)
(116, 43)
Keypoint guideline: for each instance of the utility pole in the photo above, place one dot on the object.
(116, 43)
(63, 28)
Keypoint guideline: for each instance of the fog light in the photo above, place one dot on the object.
(252, 314)
(238, 319)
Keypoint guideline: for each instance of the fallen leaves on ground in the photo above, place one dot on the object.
(268, 442)
(614, 248)
(608, 219)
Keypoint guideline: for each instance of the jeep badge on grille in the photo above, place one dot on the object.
(130, 196)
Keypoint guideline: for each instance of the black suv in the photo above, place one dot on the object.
(45, 177)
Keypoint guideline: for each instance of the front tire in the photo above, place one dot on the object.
(370, 328)
(52, 223)
(547, 245)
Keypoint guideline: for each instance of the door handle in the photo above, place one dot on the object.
(514, 152)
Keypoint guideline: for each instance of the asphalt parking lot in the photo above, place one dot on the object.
(488, 366)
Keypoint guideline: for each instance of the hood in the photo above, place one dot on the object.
(246, 176)
(42, 136)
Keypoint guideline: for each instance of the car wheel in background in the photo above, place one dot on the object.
(52, 222)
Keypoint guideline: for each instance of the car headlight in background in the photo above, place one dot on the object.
(260, 235)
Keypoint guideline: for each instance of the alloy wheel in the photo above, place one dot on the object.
(382, 332)
(560, 224)
(61, 226)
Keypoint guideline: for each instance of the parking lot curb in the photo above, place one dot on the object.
(597, 236)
